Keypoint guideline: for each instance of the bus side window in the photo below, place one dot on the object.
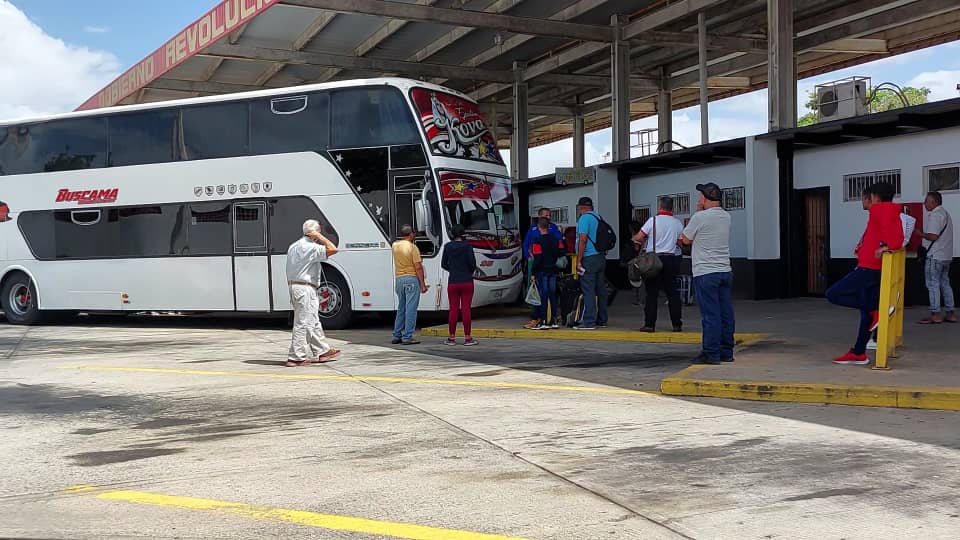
(290, 124)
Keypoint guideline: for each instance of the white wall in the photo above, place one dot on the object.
(559, 197)
(644, 191)
(910, 153)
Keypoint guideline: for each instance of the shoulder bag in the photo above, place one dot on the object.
(646, 265)
(923, 252)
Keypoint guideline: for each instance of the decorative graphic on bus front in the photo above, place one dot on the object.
(4, 212)
(454, 126)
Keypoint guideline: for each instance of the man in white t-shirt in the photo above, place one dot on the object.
(938, 239)
(661, 234)
(709, 232)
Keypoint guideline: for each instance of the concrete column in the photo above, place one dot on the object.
(620, 89)
(781, 66)
(520, 138)
(579, 140)
(704, 95)
(664, 114)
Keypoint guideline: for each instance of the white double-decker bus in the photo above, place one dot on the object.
(190, 205)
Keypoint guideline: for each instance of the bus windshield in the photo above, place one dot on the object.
(483, 205)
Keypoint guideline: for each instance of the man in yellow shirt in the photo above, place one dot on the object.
(408, 267)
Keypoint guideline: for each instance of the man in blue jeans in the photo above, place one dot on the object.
(408, 267)
(592, 265)
(709, 232)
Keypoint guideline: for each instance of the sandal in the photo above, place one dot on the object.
(328, 356)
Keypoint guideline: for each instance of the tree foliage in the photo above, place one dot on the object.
(884, 100)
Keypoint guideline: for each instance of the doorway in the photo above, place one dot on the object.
(815, 228)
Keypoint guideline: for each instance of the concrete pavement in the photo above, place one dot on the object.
(550, 439)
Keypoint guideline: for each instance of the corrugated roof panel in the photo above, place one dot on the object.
(279, 26)
(194, 69)
(345, 32)
(240, 71)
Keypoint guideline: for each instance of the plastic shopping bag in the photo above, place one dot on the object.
(533, 294)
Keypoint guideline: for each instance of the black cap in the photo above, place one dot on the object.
(711, 191)
(585, 201)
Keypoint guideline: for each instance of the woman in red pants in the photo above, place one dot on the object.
(461, 262)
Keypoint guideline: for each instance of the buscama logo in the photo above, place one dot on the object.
(88, 196)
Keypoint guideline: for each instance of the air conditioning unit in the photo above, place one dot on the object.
(843, 99)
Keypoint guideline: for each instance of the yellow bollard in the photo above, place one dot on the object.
(890, 332)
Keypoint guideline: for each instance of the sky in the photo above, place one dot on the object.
(54, 54)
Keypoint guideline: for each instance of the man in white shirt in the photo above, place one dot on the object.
(660, 235)
(709, 232)
(304, 256)
(938, 240)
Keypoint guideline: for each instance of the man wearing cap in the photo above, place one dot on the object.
(709, 232)
(591, 266)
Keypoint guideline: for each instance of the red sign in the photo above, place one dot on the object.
(226, 17)
(454, 126)
(89, 196)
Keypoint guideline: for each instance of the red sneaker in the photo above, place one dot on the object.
(852, 359)
(876, 320)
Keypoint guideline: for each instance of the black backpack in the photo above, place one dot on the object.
(606, 239)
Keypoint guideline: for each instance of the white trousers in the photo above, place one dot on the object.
(308, 341)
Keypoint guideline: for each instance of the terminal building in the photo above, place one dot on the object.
(542, 71)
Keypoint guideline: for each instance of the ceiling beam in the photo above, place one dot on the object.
(204, 87)
(724, 82)
(512, 42)
(463, 17)
(545, 110)
(444, 41)
(319, 23)
(419, 69)
(234, 36)
(392, 27)
(854, 45)
(663, 16)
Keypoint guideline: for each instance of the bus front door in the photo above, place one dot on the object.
(251, 265)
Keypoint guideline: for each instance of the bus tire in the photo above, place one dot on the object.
(18, 298)
(336, 311)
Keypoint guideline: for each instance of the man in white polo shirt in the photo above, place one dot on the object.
(660, 235)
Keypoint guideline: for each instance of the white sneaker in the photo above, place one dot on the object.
(872, 345)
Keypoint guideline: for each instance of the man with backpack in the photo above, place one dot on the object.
(594, 238)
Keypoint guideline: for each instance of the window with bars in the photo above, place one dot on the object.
(559, 215)
(681, 202)
(854, 184)
(640, 214)
(734, 198)
(943, 177)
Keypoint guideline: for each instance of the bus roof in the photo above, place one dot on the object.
(403, 84)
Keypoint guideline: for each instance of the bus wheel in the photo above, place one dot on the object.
(335, 310)
(19, 300)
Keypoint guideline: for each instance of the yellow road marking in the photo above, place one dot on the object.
(299, 517)
(687, 338)
(374, 378)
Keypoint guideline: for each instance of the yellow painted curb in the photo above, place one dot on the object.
(904, 397)
(592, 335)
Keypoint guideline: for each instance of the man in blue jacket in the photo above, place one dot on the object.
(532, 234)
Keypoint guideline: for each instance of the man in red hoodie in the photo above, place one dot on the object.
(860, 289)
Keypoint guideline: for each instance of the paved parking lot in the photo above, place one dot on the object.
(189, 428)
